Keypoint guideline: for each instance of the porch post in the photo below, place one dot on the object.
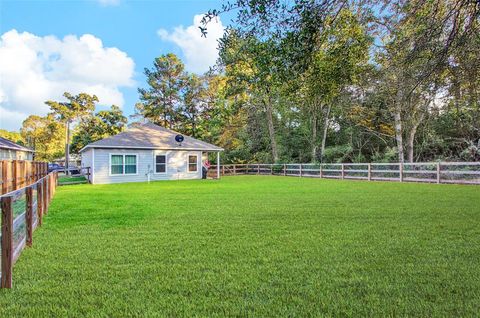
(218, 164)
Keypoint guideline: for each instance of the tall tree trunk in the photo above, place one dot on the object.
(410, 142)
(314, 134)
(271, 128)
(413, 131)
(325, 130)
(67, 147)
(398, 121)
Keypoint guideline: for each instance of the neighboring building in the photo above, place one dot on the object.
(146, 152)
(12, 151)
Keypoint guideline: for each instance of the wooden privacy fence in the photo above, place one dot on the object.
(432, 172)
(16, 174)
(22, 212)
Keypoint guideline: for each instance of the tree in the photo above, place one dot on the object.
(250, 67)
(193, 103)
(12, 136)
(45, 135)
(103, 124)
(341, 54)
(76, 107)
(160, 103)
(420, 39)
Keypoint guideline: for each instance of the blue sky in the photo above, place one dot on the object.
(47, 53)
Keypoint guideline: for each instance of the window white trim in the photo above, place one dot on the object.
(188, 162)
(155, 154)
(123, 170)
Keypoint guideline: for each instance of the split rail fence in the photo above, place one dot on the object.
(431, 172)
(22, 212)
(16, 174)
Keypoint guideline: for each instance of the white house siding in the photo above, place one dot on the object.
(176, 165)
(87, 161)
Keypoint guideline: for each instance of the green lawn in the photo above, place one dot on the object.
(253, 246)
(71, 180)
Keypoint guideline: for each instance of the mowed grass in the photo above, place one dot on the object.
(71, 180)
(253, 246)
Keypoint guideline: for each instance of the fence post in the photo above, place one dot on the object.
(234, 169)
(438, 172)
(369, 172)
(4, 176)
(271, 169)
(343, 171)
(29, 215)
(40, 202)
(7, 242)
(300, 170)
(321, 171)
(284, 169)
(401, 171)
(22, 174)
(258, 169)
(45, 196)
(14, 175)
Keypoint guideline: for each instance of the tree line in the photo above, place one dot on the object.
(311, 81)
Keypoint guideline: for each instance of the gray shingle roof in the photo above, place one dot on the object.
(151, 136)
(7, 144)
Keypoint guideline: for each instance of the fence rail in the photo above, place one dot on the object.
(431, 172)
(76, 172)
(22, 211)
(16, 174)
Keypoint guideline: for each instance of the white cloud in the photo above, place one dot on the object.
(106, 3)
(34, 69)
(200, 52)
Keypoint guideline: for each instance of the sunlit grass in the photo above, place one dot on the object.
(71, 180)
(253, 246)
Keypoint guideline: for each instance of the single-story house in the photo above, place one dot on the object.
(146, 152)
(13, 151)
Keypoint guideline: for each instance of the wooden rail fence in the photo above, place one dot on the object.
(22, 211)
(431, 172)
(16, 174)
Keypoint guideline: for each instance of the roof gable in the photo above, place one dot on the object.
(151, 136)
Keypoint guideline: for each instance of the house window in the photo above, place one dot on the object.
(123, 164)
(160, 163)
(130, 164)
(192, 163)
(116, 166)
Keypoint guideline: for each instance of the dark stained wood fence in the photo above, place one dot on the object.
(16, 174)
(22, 211)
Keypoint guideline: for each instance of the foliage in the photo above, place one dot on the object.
(160, 103)
(14, 136)
(252, 246)
(76, 107)
(103, 124)
(354, 80)
(310, 81)
(45, 135)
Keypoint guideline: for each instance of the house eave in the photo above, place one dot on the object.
(149, 148)
(16, 149)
